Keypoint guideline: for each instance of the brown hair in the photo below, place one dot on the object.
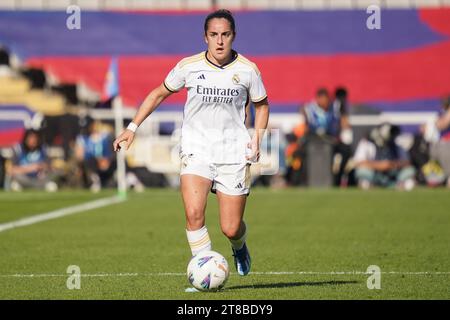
(222, 13)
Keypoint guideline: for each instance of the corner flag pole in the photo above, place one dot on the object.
(120, 155)
(112, 91)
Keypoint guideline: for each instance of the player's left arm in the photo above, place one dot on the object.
(261, 121)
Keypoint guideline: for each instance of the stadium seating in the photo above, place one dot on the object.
(380, 67)
(17, 91)
(12, 128)
(206, 4)
(13, 87)
(19, 100)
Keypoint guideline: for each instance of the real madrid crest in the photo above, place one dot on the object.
(235, 79)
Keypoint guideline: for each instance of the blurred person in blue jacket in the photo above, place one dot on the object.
(329, 120)
(30, 165)
(94, 154)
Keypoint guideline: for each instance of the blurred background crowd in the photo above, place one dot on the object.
(353, 107)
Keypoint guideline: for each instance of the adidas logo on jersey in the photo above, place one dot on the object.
(202, 76)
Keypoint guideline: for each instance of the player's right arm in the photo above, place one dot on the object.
(151, 102)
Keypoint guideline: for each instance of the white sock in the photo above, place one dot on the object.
(198, 240)
(239, 243)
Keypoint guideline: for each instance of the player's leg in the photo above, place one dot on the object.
(232, 185)
(231, 208)
(194, 191)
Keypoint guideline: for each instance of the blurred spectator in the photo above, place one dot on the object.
(5, 65)
(61, 130)
(419, 154)
(380, 161)
(294, 154)
(329, 121)
(30, 166)
(440, 150)
(94, 155)
(319, 116)
(342, 150)
(2, 170)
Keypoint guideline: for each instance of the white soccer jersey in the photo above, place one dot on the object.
(214, 113)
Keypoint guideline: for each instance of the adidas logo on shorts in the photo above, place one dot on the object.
(239, 186)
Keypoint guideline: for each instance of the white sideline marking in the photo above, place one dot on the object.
(60, 213)
(165, 274)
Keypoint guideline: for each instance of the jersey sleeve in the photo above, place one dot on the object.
(257, 91)
(176, 79)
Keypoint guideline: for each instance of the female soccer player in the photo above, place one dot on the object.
(216, 148)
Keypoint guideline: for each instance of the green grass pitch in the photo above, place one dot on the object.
(300, 240)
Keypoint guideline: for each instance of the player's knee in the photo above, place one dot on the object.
(231, 231)
(195, 218)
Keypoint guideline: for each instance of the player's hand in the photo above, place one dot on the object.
(125, 139)
(253, 146)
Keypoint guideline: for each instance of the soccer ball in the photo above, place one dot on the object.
(208, 271)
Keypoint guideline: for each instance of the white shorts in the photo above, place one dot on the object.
(231, 179)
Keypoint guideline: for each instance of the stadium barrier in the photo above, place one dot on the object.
(159, 152)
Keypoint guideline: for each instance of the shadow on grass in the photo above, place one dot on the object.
(291, 284)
